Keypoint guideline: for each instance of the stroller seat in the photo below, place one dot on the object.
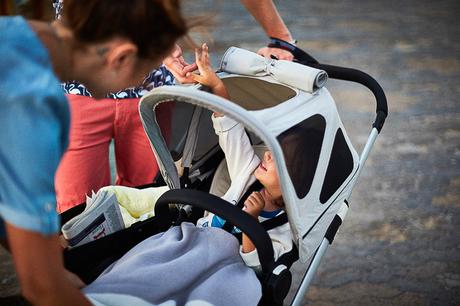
(221, 179)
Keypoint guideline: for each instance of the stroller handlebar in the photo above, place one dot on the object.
(229, 212)
(340, 73)
(354, 75)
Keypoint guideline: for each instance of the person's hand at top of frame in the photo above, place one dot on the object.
(276, 52)
(176, 63)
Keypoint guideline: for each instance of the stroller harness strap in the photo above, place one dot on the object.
(269, 224)
(256, 186)
(192, 138)
(279, 220)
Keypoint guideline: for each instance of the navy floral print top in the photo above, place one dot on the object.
(156, 78)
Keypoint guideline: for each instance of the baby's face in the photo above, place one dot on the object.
(267, 175)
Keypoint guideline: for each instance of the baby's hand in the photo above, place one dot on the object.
(254, 204)
(207, 76)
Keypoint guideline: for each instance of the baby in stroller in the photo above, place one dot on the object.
(245, 170)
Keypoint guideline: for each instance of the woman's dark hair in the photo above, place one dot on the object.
(152, 25)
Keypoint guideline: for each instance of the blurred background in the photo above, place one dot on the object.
(400, 243)
(31, 9)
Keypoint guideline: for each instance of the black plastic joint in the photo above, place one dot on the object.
(379, 120)
(333, 228)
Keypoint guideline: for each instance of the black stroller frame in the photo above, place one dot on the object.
(275, 277)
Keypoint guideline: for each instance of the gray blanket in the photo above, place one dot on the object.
(183, 264)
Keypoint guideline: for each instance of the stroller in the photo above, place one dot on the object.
(271, 99)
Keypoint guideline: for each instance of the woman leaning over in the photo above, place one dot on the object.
(107, 45)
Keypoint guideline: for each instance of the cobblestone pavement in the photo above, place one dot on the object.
(400, 242)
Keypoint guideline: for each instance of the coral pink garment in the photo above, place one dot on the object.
(85, 165)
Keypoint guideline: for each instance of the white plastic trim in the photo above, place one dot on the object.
(279, 269)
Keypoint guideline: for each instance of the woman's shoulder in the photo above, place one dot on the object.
(24, 62)
(21, 45)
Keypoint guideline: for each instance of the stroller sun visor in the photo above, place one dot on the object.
(240, 61)
(315, 160)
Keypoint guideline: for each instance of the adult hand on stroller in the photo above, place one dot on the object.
(254, 204)
(176, 63)
(275, 52)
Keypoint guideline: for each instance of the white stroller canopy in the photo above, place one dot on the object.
(316, 162)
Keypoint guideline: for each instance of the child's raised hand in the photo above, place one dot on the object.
(207, 76)
(254, 204)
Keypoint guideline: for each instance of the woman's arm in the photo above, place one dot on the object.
(266, 14)
(40, 269)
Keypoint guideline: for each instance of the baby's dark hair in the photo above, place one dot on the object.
(152, 25)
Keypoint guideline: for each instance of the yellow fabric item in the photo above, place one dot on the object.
(135, 203)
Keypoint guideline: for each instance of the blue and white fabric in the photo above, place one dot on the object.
(184, 264)
(34, 130)
(156, 78)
